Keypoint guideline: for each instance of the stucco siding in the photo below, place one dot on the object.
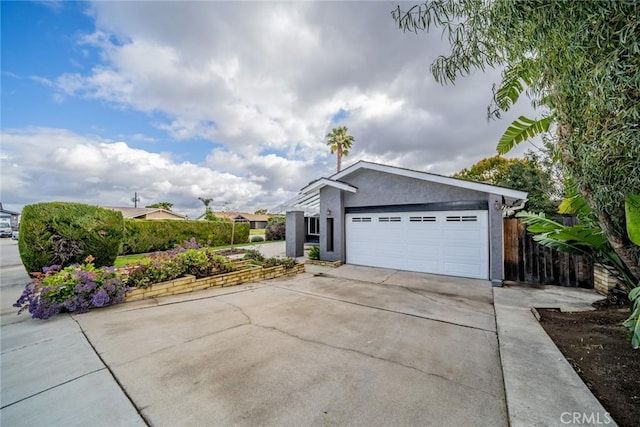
(332, 207)
(378, 188)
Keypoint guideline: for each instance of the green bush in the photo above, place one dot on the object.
(152, 235)
(288, 263)
(162, 266)
(275, 228)
(314, 252)
(254, 255)
(61, 233)
(257, 239)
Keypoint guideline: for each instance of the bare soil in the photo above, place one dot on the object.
(594, 343)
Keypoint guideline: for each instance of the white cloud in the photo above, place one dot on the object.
(261, 81)
(78, 168)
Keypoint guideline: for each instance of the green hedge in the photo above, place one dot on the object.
(66, 233)
(150, 235)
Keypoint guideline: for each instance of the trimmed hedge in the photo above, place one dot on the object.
(151, 235)
(61, 233)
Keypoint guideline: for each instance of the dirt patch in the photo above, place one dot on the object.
(594, 344)
(231, 251)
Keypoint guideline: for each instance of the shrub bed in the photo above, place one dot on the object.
(78, 288)
(75, 288)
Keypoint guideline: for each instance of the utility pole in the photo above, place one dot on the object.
(135, 199)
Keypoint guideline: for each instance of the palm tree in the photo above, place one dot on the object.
(206, 202)
(340, 142)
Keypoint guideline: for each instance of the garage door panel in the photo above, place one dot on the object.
(462, 253)
(453, 243)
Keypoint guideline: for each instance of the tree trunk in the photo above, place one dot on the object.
(620, 243)
(339, 157)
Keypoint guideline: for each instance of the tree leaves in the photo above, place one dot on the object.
(520, 130)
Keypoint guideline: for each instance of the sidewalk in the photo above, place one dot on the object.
(52, 376)
(541, 387)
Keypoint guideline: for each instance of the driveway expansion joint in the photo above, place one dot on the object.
(54, 387)
(384, 309)
(108, 368)
(382, 359)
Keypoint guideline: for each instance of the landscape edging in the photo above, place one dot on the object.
(189, 283)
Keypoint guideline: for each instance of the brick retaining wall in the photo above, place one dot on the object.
(190, 283)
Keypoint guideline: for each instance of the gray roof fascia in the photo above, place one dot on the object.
(326, 182)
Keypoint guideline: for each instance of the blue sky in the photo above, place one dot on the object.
(180, 100)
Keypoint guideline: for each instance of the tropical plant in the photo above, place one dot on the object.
(261, 211)
(206, 202)
(162, 205)
(632, 207)
(588, 240)
(340, 142)
(578, 63)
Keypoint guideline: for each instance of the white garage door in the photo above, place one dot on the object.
(453, 243)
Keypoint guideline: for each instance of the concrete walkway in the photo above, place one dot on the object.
(542, 388)
(349, 346)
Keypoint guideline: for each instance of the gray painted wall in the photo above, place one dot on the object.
(496, 241)
(332, 199)
(294, 234)
(377, 189)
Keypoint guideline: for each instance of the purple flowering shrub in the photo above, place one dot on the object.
(74, 289)
(80, 287)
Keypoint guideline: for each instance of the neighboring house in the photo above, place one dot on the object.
(146, 213)
(14, 217)
(384, 216)
(256, 221)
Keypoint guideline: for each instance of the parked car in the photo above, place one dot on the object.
(5, 228)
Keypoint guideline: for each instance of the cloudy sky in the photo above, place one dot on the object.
(223, 100)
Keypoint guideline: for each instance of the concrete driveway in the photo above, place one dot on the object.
(352, 346)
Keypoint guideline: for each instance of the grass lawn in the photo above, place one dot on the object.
(254, 232)
(129, 259)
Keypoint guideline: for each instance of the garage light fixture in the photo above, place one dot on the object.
(328, 211)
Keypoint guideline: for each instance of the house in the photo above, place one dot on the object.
(13, 217)
(384, 216)
(146, 213)
(256, 221)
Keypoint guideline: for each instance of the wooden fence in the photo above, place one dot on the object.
(527, 261)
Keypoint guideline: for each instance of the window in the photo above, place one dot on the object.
(389, 219)
(422, 219)
(357, 219)
(329, 234)
(313, 226)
